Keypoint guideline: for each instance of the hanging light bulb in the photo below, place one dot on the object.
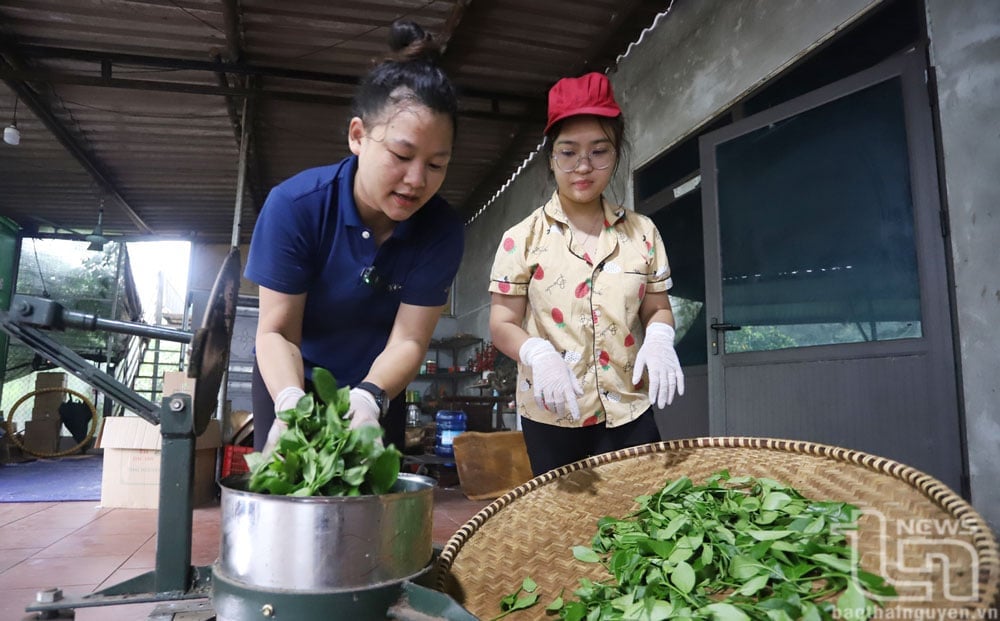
(11, 135)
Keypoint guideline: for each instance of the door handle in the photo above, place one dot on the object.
(725, 327)
(720, 327)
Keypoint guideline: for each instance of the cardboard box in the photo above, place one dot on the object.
(131, 475)
(41, 437)
(50, 380)
(46, 406)
(178, 381)
(45, 414)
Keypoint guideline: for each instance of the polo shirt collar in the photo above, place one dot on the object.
(345, 199)
(554, 211)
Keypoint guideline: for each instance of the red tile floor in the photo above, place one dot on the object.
(80, 547)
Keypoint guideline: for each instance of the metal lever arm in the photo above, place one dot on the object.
(45, 313)
(77, 365)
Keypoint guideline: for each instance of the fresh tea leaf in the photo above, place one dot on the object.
(733, 549)
(319, 454)
(326, 385)
(725, 612)
(683, 577)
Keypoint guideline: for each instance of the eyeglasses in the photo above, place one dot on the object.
(569, 160)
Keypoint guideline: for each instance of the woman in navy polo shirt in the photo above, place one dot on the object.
(354, 260)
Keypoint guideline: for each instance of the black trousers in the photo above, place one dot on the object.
(394, 422)
(550, 446)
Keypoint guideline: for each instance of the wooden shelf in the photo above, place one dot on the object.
(460, 341)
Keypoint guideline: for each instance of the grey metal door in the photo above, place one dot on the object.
(826, 292)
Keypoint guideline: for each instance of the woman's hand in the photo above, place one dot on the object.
(555, 386)
(657, 355)
(364, 410)
(287, 399)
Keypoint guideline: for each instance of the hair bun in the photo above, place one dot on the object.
(408, 41)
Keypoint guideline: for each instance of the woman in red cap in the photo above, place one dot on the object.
(579, 295)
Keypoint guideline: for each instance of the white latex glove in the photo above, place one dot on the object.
(657, 355)
(364, 410)
(555, 386)
(287, 399)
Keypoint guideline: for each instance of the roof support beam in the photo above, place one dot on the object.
(109, 59)
(243, 125)
(80, 153)
(451, 24)
(213, 89)
(237, 121)
(231, 19)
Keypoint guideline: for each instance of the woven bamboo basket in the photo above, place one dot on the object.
(922, 537)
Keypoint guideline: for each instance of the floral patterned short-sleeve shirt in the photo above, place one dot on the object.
(587, 307)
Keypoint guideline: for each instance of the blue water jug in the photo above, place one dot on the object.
(450, 423)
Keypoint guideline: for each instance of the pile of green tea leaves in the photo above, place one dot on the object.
(733, 549)
(319, 456)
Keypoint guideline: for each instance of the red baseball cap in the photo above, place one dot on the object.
(588, 94)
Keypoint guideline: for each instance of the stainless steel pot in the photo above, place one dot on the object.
(325, 543)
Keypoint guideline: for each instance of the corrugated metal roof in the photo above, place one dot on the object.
(136, 104)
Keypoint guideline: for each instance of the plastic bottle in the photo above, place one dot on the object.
(450, 423)
(413, 435)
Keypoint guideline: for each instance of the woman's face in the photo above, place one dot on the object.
(402, 160)
(582, 142)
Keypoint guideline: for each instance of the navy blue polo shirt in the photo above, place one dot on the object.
(310, 239)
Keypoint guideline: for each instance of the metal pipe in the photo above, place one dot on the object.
(119, 263)
(74, 319)
(74, 363)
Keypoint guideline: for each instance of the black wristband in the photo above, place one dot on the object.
(381, 398)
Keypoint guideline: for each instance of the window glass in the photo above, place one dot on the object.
(816, 227)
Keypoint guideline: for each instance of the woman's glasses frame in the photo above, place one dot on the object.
(560, 159)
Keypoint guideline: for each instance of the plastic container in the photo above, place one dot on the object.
(450, 423)
(413, 435)
(413, 415)
(232, 460)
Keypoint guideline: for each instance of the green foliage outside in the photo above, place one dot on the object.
(767, 338)
(81, 280)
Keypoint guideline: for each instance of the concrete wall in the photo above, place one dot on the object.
(965, 54)
(706, 55)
